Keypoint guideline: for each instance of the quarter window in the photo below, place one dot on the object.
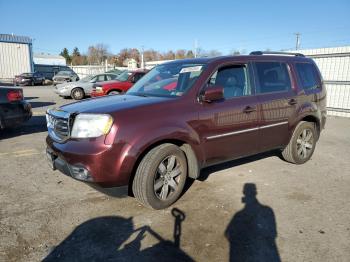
(233, 79)
(272, 77)
(307, 75)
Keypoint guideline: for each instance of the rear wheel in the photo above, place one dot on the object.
(160, 176)
(78, 93)
(302, 144)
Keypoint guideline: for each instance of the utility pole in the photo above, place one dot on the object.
(297, 44)
(142, 61)
(195, 48)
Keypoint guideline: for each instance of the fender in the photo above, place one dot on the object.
(183, 136)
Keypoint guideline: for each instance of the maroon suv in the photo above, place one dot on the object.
(186, 115)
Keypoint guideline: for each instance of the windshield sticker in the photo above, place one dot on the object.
(191, 69)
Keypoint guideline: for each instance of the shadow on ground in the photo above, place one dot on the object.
(41, 104)
(36, 124)
(206, 172)
(252, 231)
(115, 238)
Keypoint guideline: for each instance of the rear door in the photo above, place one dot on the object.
(229, 127)
(277, 102)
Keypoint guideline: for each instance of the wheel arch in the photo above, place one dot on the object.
(193, 165)
(315, 120)
(114, 89)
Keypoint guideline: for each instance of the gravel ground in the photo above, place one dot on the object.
(300, 213)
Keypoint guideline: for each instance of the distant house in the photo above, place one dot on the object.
(131, 63)
(16, 55)
(48, 59)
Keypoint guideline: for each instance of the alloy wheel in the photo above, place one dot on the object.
(167, 177)
(305, 143)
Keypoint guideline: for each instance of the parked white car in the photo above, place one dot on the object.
(82, 88)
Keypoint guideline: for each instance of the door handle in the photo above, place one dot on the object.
(249, 109)
(292, 102)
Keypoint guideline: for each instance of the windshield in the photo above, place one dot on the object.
(87, 78)
(123, 76)
(170, 80)
(64, 73)
(26, 74)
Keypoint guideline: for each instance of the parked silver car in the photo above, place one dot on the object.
(65, 76)
(82, 88)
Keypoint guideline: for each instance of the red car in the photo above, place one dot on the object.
(120, 85)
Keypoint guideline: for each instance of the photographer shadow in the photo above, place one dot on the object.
(252, 231)
(112, 238)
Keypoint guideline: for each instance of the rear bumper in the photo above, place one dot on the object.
(62, 92)
(14, 114)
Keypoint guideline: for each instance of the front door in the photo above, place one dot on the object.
(229, 127)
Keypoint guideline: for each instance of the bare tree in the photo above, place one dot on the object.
(97, 54)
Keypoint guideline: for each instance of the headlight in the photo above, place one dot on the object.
(91, 125)
(98, 88)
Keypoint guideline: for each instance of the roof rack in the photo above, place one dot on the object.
(275, 53)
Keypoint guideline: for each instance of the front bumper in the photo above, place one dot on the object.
(97, 94)
(92, 161)
(22, 82)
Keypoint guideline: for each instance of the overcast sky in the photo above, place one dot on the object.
(163, 25)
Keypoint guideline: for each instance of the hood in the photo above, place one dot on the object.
(111, 104)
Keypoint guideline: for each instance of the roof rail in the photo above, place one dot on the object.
(275, 53)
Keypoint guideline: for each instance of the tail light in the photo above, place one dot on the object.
(14, 95)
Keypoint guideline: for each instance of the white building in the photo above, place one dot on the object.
(48, 59)
(15, 56)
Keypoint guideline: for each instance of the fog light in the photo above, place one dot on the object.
(81, 173)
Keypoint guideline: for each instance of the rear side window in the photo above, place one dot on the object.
(272, 77)
(307, 75)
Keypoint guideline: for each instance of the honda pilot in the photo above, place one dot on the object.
(188, 114)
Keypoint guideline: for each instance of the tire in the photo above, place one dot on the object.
(77, 93)
(114, 92)
(302, 144)
(160, 176)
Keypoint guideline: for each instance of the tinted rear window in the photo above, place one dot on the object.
(307, 75)
(272, 77)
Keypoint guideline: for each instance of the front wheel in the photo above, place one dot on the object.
(160, 176)
(114, 92)
(302, 144)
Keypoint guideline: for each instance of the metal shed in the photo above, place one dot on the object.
(15, 56)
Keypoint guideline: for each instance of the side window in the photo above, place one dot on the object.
(100, 78)
(272, 77)
(137, 77)
(110, 77)
(234, 80)
(307, 75)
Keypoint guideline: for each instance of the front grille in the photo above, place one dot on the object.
(58, 124)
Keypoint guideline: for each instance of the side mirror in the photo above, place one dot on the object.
(213, 93)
